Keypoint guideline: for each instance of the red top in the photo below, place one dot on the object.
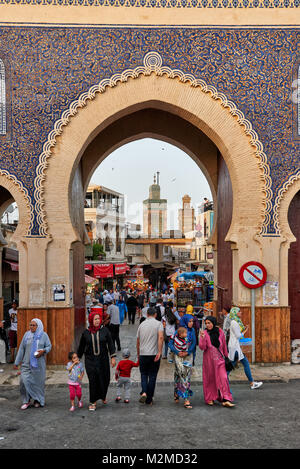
(124, 368)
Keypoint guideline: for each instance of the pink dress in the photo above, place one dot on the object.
(215, 380)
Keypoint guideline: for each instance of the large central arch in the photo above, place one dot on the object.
(70, 155)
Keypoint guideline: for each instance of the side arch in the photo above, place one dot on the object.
(20, 196)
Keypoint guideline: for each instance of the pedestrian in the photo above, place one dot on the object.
(235, 352)
(123, 372)
(97, 345)
(215, 380)
(183, 359)
(196, 326)
(149, 349)
(76, 372)
(12, 334)
(169, 324)
(3, 343)
(122, 309)
(165, 298)
(107, 297)
(226, 323)
(160, 309)
(144, 312)
(32, 357)
(189, 308)
(114, 326)
(132, 304)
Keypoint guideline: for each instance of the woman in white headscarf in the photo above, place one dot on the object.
(32, 357)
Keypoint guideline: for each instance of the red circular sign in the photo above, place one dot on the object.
(253, 274)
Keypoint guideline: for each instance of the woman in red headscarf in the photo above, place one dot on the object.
(97, 345)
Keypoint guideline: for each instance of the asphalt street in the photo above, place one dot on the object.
(265, 418)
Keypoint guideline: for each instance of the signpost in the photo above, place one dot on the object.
(253, 275)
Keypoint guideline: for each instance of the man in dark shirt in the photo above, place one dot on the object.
(132, 304)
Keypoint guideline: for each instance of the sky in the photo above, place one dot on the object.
(130, 170)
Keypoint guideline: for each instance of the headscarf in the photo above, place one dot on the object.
(214, 332)
(93, 329)
(184, 321)
(35, 336)
(233, 316)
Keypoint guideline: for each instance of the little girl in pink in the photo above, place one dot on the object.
(76, 372)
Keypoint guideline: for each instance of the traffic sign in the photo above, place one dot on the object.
(253, 274)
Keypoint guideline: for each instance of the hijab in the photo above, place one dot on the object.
(184, 321)
(214, 332)
(93, 329)
(233, 315)
(35, 337)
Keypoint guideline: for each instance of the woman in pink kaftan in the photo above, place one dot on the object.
(215, 381)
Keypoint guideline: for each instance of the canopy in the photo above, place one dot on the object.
(89, 279)
(191, 275)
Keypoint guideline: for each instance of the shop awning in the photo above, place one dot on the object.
(88, 266)
(13, 265)
(103, 270)
(89, 279)
(121, 269)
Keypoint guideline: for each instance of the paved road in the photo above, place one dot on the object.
(265, 418)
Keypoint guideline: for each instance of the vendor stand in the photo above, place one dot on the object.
(194, 287)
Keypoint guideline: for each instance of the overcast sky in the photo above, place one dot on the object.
(131, 168)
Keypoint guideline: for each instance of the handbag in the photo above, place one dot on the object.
(228, 363)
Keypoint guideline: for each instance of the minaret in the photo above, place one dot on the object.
(155, 211)
(186, 215)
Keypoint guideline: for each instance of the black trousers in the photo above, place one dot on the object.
(149, 369)
(115, 330)
(131, 315)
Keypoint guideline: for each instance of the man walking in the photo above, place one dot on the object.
(149, 346)
(114, 325)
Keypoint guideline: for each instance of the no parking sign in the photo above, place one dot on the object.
(253, 274)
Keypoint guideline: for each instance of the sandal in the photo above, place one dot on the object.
(210, 403)
(126, 401)
(92, 407)
(228, 404)
(25, 406)
(188, 405)
(176, 399)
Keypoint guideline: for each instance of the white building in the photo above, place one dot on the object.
(104, 214)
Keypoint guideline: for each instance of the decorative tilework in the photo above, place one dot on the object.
(152, 63)
(50, 68)
(2, 99)
(163, 3)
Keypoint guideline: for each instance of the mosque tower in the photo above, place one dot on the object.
(154, 212)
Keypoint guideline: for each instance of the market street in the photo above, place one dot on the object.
(261, 419)
(265, 418)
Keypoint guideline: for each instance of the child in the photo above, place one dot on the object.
(180, 343)
(76, 372)
(123, 372)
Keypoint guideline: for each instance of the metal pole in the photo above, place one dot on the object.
(253, 323)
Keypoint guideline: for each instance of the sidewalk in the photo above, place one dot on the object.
(266, 373)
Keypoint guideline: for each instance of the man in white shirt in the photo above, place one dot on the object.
(149, 346)
(114, 325)
(107, 297)
(12, 334)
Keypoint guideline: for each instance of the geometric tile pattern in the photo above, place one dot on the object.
(48, 68)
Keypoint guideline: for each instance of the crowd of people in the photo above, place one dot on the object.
(163, 332)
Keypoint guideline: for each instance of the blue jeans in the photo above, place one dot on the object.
(246, 366)
(149, 369)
